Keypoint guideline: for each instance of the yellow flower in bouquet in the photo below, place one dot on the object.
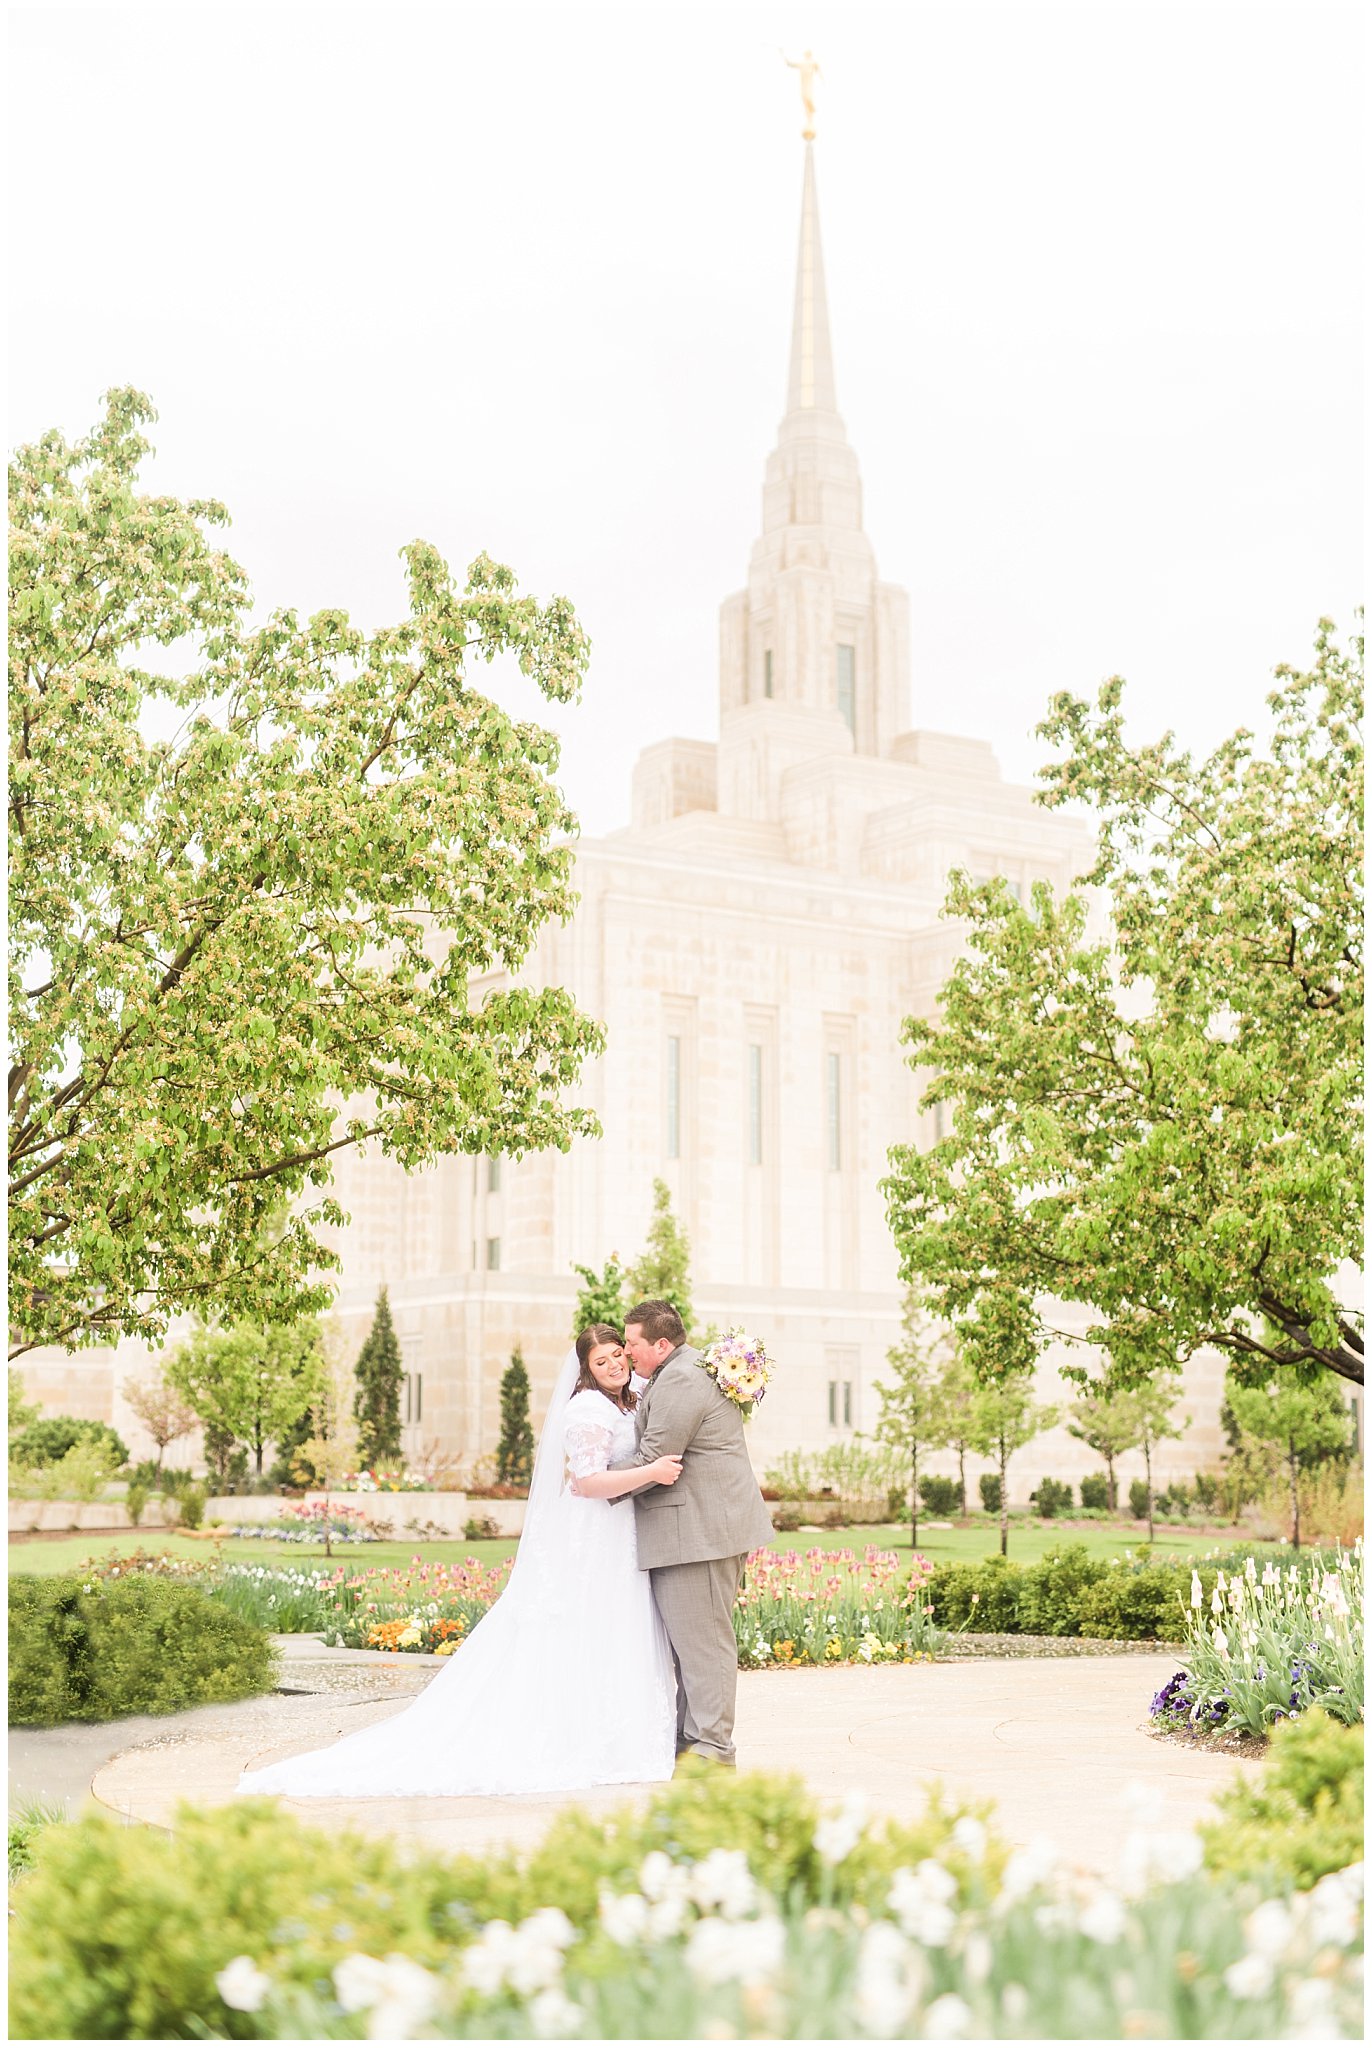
(740, 1367)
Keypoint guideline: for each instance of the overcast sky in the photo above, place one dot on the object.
(519, 279)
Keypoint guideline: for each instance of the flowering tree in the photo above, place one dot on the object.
(163, 1412)
(239, 948)
(1178, 1149)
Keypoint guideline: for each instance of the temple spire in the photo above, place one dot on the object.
(811, 387)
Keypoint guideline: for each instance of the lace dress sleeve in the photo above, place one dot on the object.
(588, 1434)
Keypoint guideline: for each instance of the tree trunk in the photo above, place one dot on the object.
(914, 1494)
(1148, 1476)
(328, 1532)
(1294, 1464)
(962, 1480)
(1110, 1482)
(1004, 1501)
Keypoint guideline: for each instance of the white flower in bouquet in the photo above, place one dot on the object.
(740, 1367)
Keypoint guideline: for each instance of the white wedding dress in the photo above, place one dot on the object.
(567, 1681)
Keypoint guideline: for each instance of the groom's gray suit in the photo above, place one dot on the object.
(694, 1538)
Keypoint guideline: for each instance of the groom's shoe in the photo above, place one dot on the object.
(690, 1762)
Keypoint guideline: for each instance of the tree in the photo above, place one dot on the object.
(331, 1452)
(913, 1411)
(164, 1413)
(602, 1298)
(1180, 1153)
(248, 1383)
(237, 950)
(1005, 1417)
(958, 1392)
(1150, 1411)
(1107, 1424)
(514, 1456)
(22, 1411)
(663, 1271)
(1306, 1421)
(376, 1401)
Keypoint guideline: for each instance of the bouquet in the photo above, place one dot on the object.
(740, 1367)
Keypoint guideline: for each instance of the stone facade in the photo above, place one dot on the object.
(752, 941)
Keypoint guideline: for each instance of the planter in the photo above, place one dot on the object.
(35, 1515)
(413, 1514)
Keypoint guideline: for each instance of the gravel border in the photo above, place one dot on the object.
(969, 1646)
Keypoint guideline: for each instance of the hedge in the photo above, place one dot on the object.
(1067, 1593)
(726, 1908)
(93, 1650)
(118, 1932)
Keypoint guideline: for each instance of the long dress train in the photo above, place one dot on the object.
(567, 1682)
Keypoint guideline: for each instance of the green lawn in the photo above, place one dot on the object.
(1028, 1541)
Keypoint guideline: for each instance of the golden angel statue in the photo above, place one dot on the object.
(809, 70)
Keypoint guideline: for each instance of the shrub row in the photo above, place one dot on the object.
(727, 1908)
(119, 1932)
(95, 1649)
(1066, 1593)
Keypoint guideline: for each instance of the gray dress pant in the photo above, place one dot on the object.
(696, 1602)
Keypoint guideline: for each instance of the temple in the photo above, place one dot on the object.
(752, 941)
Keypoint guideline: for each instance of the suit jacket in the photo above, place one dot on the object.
(716, 1508)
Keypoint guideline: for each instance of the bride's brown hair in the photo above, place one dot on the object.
(593, 1335)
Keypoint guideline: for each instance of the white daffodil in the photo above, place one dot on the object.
(891, 1976)
(947, 2019)
(838, 1834)
(736, 1951)
(242, 1985)
(1029, 1867)
(1250, 1977)
(553, 2016)
(396, 1994)
(722, 1881)
(1103, 1918)
(969, 1835)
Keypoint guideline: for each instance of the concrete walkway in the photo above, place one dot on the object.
(1061, 1747)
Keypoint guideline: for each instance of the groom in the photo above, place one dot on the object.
(693, 1537)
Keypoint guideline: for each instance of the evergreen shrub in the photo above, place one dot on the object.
(514, 1457)
(47, 1441)
(1051, 1498)
(989, 1488)
(1095, 1491)
(940, 1496)
(92, 1650)
(1138, 1499)
(1304, 1816)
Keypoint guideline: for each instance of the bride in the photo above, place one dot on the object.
(568, 1681)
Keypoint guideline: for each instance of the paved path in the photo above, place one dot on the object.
(1061, 1748)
